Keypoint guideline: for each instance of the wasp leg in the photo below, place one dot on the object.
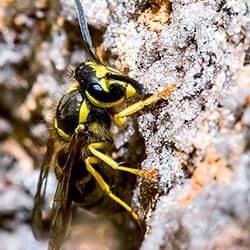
(120, 118)
(104, 145)
(114, 165)
(58, 172)
(106, 188)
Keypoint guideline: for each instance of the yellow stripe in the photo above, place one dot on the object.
(102, 104)
(60, 132)
(83, 113)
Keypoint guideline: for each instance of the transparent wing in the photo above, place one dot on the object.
(61, 210)
(39, 226)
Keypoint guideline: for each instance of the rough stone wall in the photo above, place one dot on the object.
(199, 137)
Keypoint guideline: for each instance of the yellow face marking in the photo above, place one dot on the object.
(83, 113)
(60, 132)
(101, 72)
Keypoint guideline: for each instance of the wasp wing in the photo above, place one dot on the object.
(61, 210)
(38, 223)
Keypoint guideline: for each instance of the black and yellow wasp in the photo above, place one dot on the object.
(78, 150)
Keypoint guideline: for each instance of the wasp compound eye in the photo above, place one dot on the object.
(85, 74)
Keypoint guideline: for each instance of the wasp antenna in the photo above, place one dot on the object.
(85, 30)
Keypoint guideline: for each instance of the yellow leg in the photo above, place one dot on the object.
(101, 145)
(110, 162)
(120, 118)
(106, 188)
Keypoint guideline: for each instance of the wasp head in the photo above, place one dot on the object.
(84, 74)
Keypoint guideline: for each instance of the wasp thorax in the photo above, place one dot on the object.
(68, 113)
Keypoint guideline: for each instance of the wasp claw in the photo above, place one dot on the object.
(152, 174)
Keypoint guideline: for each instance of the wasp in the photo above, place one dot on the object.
(80, 143)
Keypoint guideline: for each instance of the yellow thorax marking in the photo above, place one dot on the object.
(74, 86)
(60, 132)
(83, 113)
